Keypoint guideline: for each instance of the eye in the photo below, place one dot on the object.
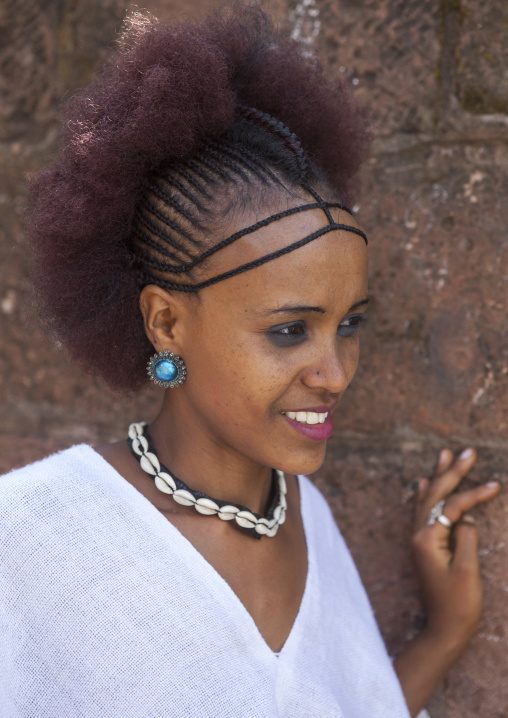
(350, 325)
(284, 335)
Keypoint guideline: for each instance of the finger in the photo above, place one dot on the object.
(420, 513)
(444, 461)
(421, 492)
(451, 478)
(466, 545)
(457, 504)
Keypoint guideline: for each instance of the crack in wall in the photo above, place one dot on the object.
(452, 16)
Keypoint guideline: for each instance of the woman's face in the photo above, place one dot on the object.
(270, 352)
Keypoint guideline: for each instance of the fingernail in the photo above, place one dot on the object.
(493, 484)
(467, 519)
(422, 484)
(466, 453)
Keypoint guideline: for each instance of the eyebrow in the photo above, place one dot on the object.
(299, 309)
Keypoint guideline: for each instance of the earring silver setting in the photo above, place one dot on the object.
(167, 370)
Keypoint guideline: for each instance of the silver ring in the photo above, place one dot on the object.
(445, 521)
(436, 514)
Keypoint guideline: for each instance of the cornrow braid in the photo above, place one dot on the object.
(170, 220)
(251, 114)
(249, 159)
(169, 238)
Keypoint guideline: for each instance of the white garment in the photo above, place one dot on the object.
(107, 611)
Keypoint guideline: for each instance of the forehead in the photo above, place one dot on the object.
(331, 270)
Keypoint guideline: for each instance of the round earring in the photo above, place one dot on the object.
(167, 370)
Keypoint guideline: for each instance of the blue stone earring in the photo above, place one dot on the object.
(167, 370)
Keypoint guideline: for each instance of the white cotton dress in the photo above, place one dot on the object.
(107, 611)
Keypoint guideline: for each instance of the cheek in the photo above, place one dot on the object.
(239, 375)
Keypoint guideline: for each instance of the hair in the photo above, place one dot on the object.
(184, 118)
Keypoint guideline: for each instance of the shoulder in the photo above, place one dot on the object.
(45, 504)
(30, 486)
(49, 465)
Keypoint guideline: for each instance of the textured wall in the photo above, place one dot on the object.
(434, 370)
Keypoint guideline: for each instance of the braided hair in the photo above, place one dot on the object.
(184, 119)
(170, 238)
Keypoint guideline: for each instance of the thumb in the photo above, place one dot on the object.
(466, 544)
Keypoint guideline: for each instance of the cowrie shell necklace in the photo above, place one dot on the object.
(256, 525)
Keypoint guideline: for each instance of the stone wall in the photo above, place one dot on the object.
(434, 370)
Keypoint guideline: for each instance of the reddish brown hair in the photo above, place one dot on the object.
(168, 89)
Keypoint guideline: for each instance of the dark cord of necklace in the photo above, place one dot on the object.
(201, 495)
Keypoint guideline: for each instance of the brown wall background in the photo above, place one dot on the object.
(434, 370)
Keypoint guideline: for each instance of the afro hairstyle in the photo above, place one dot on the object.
(167, 88)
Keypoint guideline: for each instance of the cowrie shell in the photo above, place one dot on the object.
(206, 506)
(146, 465)
(227, 513)
(245, 519)
(143, 442)
(184, 497)
(153, 460)
(262, 527)
(136, 447)
(168, 479)
(282, 482)
(163, 486)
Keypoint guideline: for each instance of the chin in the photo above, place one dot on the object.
(302, 464)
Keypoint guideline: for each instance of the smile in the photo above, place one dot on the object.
(315, 425)
(307, 417)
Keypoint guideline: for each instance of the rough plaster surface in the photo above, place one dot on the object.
(434, 370)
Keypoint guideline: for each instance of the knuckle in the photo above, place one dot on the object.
(454, 506)
(420, 541)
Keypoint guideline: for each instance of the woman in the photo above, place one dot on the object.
(198, 210)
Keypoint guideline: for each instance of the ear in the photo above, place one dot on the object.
(164, 316)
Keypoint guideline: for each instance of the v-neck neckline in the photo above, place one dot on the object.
(174, 534)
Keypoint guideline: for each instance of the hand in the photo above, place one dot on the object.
(447, 559)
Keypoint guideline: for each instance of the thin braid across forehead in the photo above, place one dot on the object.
(171, 236)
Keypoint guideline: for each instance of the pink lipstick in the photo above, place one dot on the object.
(317, 432)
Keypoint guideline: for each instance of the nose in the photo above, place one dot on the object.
(331, 368)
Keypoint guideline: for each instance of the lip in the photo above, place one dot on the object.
(316, 432)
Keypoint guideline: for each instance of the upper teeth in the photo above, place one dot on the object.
(307, 417)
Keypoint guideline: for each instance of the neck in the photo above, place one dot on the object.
(193, 453)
